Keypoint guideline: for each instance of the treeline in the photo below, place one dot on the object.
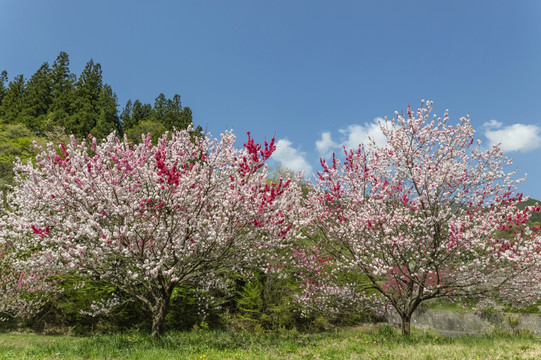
(55, 103)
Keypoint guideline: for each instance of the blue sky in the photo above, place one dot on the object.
(316, 73)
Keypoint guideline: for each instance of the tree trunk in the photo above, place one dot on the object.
(158, 316)
(406, 323)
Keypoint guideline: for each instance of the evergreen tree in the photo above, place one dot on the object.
(3, 82)
(56, 98)
(85, 105)
(175, 116)
(138, 119)
(12, 103)
(37, 99)
(141, 112)
(62, 83)
(108, 120)
(126, 116)
(165, 115)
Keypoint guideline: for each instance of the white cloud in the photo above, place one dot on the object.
(290, 157)
(360, 134)
(326, 144)
(352, 136)
(516, 137)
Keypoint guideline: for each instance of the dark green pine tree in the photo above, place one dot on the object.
(85, 105)
(12, 103)
(63, 91)
(126, 116)
(137, 120)
(166, 115)
(173, 116)
(108, 120)
(160, 107)
(37, 100)
(135, 113)
(141, 112)
(3, 83)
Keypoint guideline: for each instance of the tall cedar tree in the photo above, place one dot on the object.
(13, 100)
(37, 99)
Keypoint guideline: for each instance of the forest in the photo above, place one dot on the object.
(194, 232)
(55, 103)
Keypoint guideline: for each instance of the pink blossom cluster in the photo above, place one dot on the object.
(147, 217)
(418, 218)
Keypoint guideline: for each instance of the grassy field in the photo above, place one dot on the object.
(353, 343)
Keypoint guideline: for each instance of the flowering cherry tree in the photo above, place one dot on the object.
(147, 217)
(417, 218)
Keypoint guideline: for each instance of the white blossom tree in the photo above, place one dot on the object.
(416, 219)
(146, 217)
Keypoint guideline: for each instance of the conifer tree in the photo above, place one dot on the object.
(37, 99)
(12, 103)
(85, 105)
(107, 117)
(63, 83)
(3, 82)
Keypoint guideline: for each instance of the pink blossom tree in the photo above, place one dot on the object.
(416, 219)
(146, 217)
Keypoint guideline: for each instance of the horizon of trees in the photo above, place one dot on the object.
(54, 103)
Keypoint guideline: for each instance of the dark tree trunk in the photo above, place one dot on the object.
(158, 316)
(406, 323)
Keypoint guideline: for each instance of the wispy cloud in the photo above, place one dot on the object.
(516, 137)
(290, 157)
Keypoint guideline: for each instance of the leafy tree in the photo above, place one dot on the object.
(148, 218)
(136, 133)
(16, 141)
(417, 218)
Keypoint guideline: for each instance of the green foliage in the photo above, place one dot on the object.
(54, 103)
(184, 310)
(84, 104)
(12, 102)
(166, 115)
(3, 82)
(16, 140)
(70, 310)
(250, 300)
(265, 302)
(155, 129)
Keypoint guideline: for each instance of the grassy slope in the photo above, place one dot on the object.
(358, 343)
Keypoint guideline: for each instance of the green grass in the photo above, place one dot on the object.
(352, 343)
(443, 304)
